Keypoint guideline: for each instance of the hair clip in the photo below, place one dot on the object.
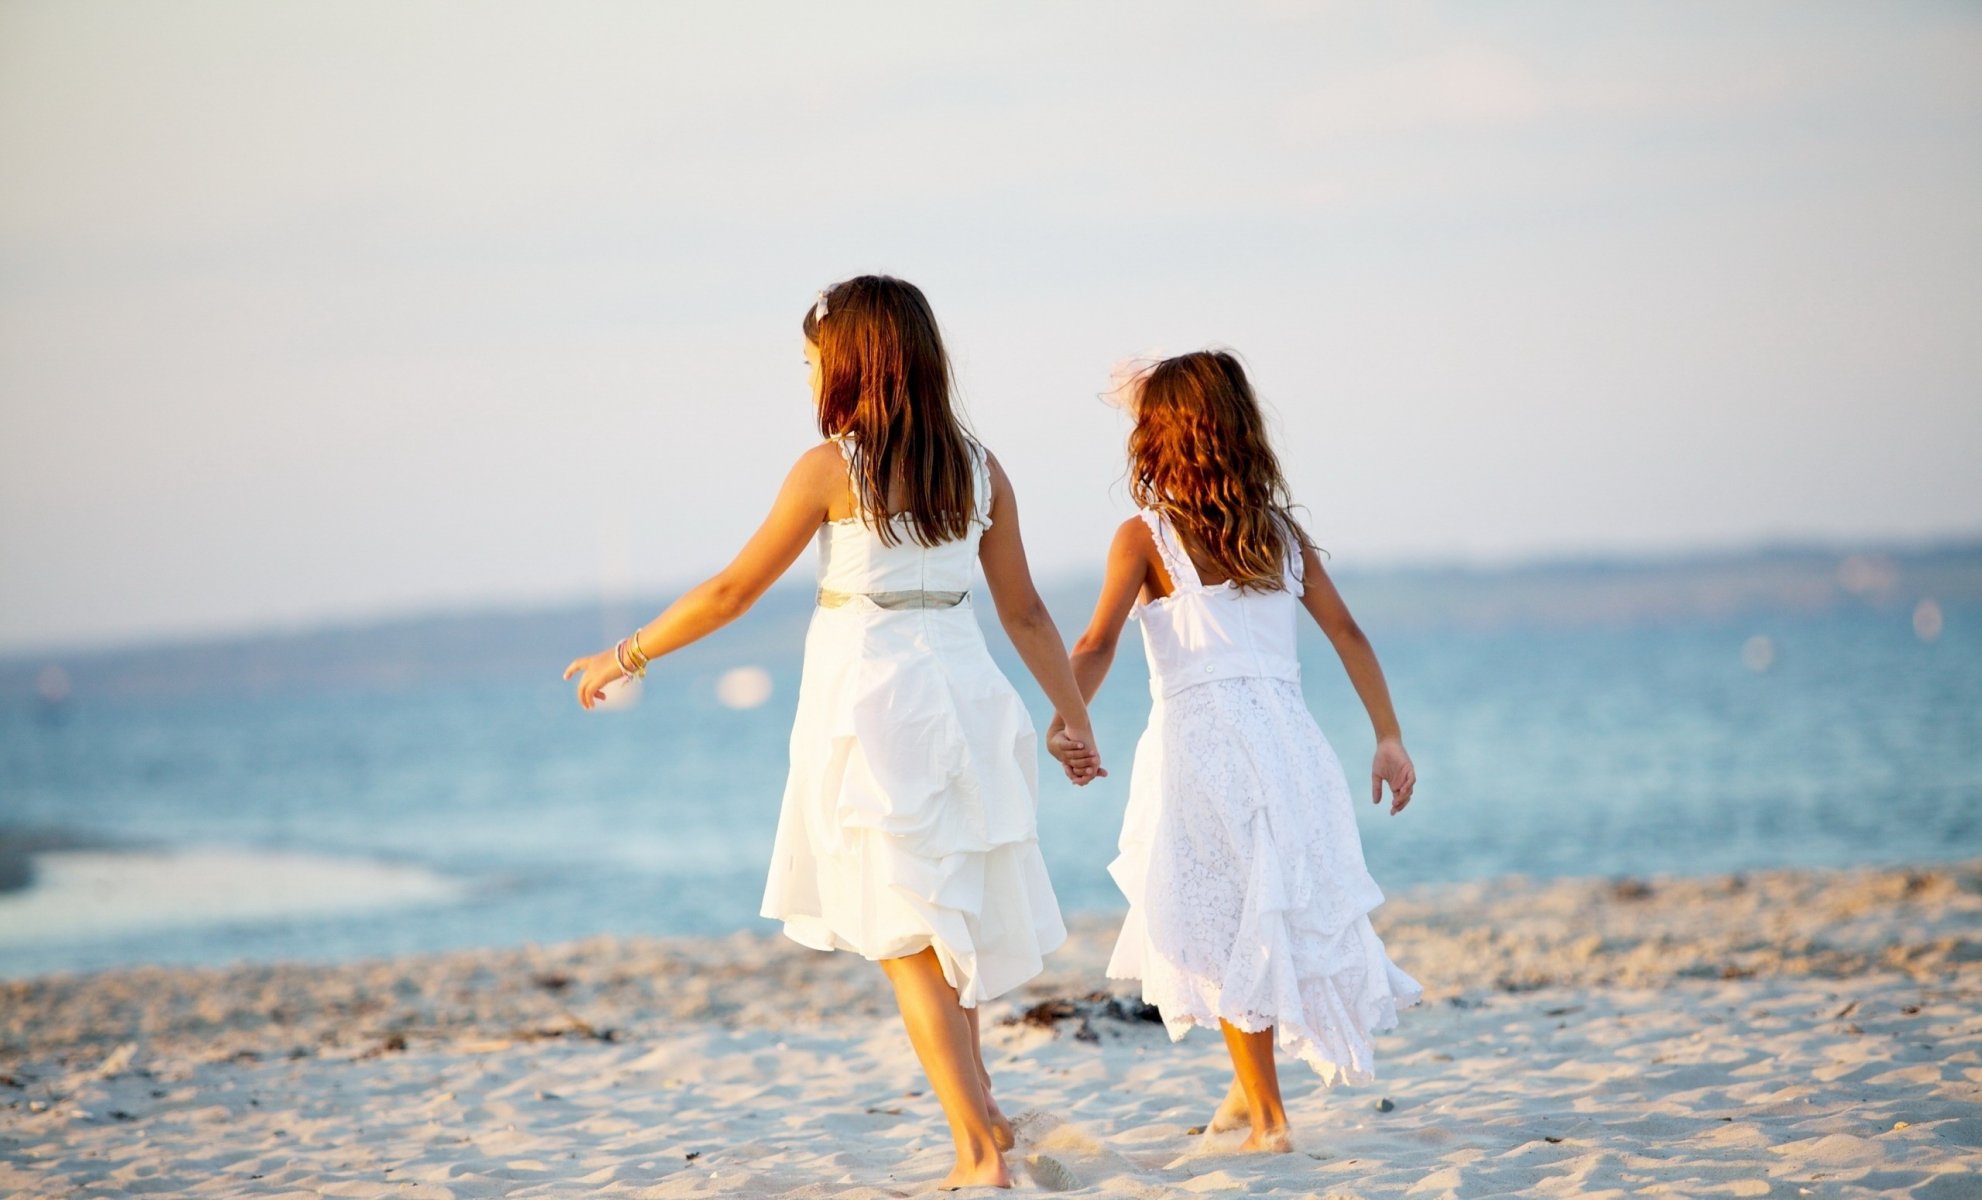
(819, 309)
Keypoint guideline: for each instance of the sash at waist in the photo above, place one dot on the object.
(828, 598)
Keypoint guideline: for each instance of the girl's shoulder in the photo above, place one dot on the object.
(829, 454)
(1136, 538)
(1148, 525)
(823, 468)
(984, 461)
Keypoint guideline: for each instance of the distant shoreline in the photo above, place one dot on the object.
(394, 652)
(1817, 558)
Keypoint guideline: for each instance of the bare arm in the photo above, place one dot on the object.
(1393, 765)
(1129, 558)
(817, 477)
(1023, 614)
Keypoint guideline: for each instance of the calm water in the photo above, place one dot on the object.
(1543, 749)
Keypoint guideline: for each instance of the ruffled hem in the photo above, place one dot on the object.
(990, 916)
(1329, 1022)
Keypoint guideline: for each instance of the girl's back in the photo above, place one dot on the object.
(854, 559)
(1203, 632)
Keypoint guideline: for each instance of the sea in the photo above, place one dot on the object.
(428, 783)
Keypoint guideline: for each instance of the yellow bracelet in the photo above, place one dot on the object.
(619, 655)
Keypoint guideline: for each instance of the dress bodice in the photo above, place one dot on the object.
(854, 559)
(1197, 634)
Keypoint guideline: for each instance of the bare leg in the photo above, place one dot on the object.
(1001, 1129)
(1233, 1111)
(940, 1033)
(1252, 1063)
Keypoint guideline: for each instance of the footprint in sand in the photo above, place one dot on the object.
(1050, 1173)
(1033, 1125)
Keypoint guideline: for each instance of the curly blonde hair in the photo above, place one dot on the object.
(1199, 454)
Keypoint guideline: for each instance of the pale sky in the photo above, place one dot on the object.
(327, 311)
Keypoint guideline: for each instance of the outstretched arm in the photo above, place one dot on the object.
(1393, 764)
(1023, 614)
(728, 594)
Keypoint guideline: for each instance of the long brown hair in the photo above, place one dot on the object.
(885, 384)
(1199, 454)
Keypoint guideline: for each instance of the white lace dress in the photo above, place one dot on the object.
(1248, 897)
(908, 817)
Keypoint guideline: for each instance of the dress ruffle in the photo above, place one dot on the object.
(909, 815)
(1248, 897)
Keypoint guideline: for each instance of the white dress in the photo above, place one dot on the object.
(908, 818)
(1248, 897)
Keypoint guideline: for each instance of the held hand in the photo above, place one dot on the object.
(1075, 751)
(594, 674)
(1392, 766)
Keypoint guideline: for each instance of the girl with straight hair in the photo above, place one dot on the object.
(907, 833)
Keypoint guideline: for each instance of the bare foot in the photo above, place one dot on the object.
(1233, 1111)
(1001, 1129)
(1269, 1141)
(988, 1173)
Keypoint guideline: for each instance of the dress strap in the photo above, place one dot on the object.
(980, 476)
(1169, 548)
(850, 454)
(1297, 567)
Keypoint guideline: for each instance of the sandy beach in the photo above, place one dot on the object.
(1778, 1034)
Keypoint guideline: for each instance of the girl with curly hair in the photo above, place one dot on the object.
(1248, 897)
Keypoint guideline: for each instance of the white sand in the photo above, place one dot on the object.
(1794, 1034)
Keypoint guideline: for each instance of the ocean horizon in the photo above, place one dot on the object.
(427, 783)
